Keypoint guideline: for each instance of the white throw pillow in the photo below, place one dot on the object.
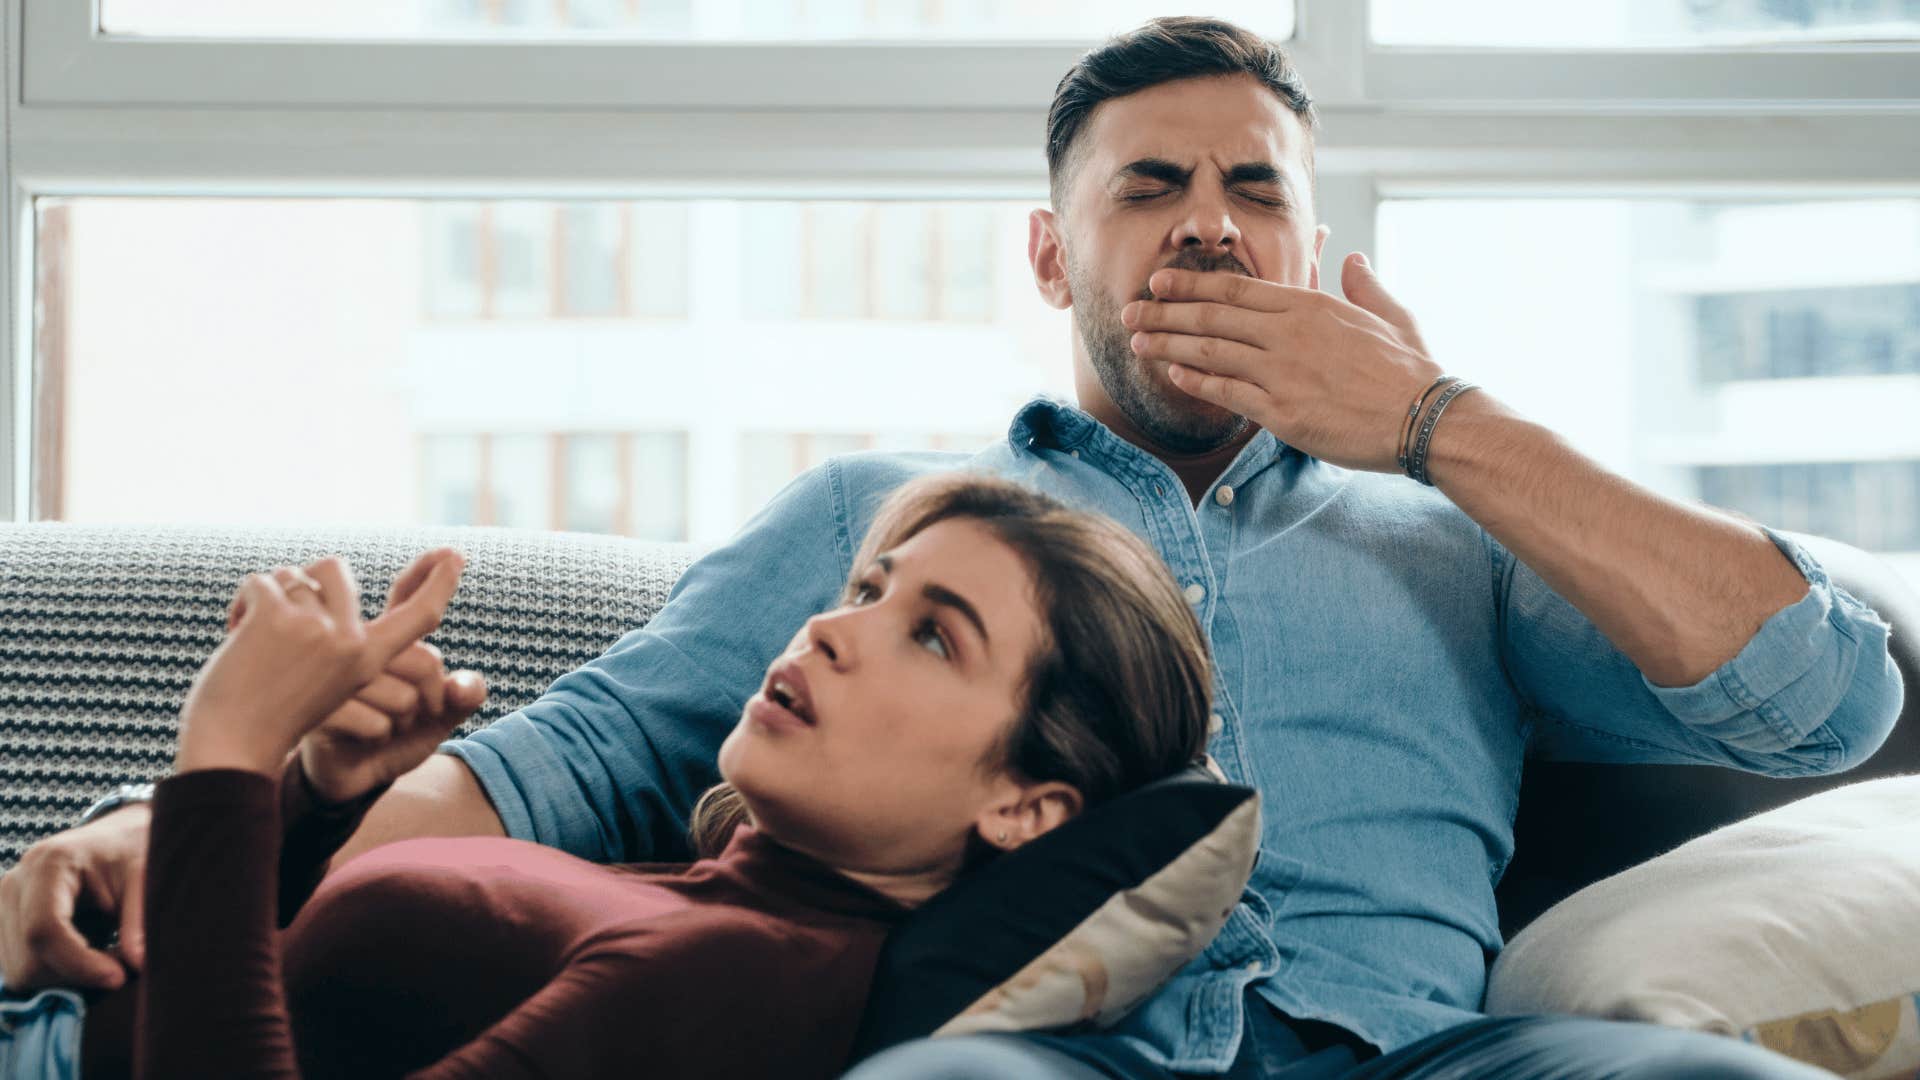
(1798, 929)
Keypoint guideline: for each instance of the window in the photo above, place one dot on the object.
(1642, 23)
(675, 20)
(626, 263)
(1761, 356)
(505, 363)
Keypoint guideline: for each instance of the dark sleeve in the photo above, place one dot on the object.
(314, 831)
(694, 996)
(211, 1002)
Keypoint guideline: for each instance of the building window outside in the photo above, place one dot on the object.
(624, 483)
(542, 260)
(902, 262)
(1873, 505)
(1762, 356)
(1800, 333)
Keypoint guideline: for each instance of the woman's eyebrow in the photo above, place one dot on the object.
(945, 597)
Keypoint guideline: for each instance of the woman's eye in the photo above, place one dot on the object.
(862, 591)
(931, 629)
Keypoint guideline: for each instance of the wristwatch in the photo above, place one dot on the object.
(115, 799)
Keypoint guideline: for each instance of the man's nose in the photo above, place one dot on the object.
(1209, 226)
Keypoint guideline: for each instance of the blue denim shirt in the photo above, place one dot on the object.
(1383, 668)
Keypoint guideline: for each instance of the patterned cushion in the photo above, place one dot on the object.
(1798, 929)
(103, 627)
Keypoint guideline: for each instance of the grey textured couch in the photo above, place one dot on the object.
(102, 629)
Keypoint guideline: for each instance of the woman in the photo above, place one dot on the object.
(997, 665)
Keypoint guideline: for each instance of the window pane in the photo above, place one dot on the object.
(1635, 23)
(522, 258)
(522, 481)
(671, 20)
(593, 483)
(1764, 357)
(594, 235)
(455, 287)
(658, 258)
(450, 480)
(659, 492)
(902, 282)
(276, 361)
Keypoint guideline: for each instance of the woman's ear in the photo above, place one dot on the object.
(1029, 811)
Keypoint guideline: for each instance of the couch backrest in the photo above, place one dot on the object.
(102, 629)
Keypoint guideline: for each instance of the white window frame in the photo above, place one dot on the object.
(89, 113)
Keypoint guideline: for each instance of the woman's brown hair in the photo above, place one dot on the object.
(1118, 691)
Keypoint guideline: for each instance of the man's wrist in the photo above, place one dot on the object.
(138, 794)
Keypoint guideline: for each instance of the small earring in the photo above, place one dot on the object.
(1003, 836)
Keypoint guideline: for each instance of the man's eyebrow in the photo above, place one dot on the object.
(1256, 172)
(945, 597)
(1168, 172)
(1153, 168)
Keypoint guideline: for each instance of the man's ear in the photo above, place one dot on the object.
(1028, 811)
(1049, 258)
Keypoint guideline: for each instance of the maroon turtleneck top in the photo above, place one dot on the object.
(486, 957)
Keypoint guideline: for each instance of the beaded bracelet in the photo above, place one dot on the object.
(1413, 411)
(1417, 463)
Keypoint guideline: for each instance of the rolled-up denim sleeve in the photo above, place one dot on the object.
(1815, 690)
(608, 762)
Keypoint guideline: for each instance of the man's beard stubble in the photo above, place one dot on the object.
(1173, 420)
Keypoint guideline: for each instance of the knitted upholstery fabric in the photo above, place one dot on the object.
(103, 627)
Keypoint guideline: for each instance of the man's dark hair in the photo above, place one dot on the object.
(1165, 50)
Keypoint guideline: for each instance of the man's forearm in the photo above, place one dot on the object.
(439, 798)
(1679, 589)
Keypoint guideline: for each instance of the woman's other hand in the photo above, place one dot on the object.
(296, 650)
(393, 723)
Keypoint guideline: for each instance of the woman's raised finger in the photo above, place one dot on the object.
(419, 664)
(358, 721)
(393, 696)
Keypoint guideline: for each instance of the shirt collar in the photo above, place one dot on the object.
(1046, 422)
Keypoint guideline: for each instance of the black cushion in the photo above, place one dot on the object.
(1001, 916)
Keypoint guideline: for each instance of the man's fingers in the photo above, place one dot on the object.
(1211, 354)
(1204, 318)
(1224, 287)
(1363, 289)
(57, 947)
(1234, 395)
(416, 616)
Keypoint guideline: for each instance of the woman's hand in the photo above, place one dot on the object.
(296, 650)
(393, 723)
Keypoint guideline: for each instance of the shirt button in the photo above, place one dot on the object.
(1253, 967)
(1196, 592)
(1223, 495)
(1073, 453)
(1214, 723)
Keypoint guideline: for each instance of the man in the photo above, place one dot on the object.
(1387, 653)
